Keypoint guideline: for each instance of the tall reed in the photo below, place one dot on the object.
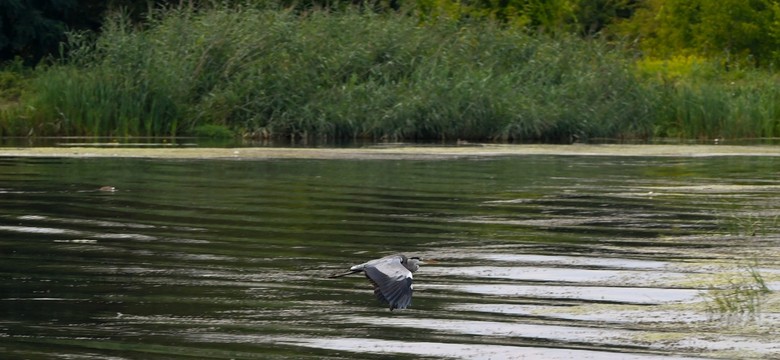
(703, 99)
(342, 74)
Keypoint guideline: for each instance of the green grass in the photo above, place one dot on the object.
(350, 74)
(336, 75)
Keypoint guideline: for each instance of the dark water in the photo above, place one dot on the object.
(539, 257)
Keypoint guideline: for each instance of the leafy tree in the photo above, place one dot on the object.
(585, 17)
(592, 16)
(740, 29)
(30, 29)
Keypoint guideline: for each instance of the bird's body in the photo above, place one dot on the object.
(391, 277)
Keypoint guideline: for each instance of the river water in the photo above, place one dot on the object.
(536, 257)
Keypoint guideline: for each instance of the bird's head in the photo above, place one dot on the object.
(413, 263)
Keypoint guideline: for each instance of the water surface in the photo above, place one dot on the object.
(539, 257)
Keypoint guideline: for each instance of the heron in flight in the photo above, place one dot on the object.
(391, 277)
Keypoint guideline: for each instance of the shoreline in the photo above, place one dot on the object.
(400, 152)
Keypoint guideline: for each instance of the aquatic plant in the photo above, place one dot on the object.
(348, 74)
(342, 74)
(740, 299)
(700, 98)
(749, 224)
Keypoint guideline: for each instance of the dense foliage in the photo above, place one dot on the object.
(31, 30)
(735, 30)
(551, 70)
(584, 17)
(345, 75)
(732, 30)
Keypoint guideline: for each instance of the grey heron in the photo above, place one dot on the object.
(391, 277)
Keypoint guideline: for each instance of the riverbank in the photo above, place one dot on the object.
(357, 76)
(400, 152)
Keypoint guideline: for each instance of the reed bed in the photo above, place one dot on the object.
(723, 109)
(335, 75)
(360, 75)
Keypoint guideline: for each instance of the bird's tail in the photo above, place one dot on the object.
(344, 274)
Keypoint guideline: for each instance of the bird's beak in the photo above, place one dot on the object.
(430, 261)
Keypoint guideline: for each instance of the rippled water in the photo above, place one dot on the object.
(538, 257)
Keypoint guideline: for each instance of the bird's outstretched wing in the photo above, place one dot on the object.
(392, 282)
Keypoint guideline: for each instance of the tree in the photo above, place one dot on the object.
(739, 29)
(593, 16)
(735, 27)
(585, 17)
(31, 29)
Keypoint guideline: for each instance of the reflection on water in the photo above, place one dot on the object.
(621, 294)
(549, 274)
(455, 350)
(539, 257)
